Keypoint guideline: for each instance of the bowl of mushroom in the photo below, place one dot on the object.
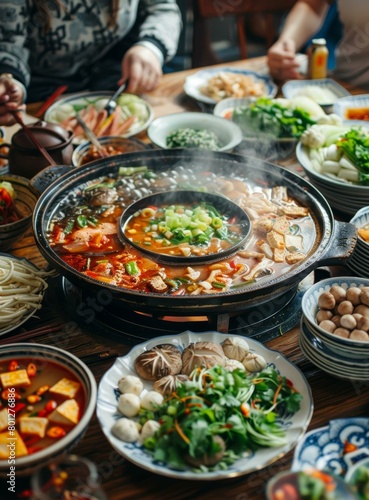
(336, 312)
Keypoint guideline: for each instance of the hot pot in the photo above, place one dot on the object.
(334, 243)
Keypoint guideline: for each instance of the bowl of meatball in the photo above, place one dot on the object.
(336, 312)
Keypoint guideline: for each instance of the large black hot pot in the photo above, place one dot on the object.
(334, 242)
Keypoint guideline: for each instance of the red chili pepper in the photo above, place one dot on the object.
(18, 407)
(31, 369)
(349, 447)
(25, 494)
(13, 365)
(42, 413)
(50, 406)
(289, 382)
(56, 432)
(232, 264)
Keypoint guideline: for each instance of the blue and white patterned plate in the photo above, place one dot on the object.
(107, 414)
(325, 447)
(195, 82)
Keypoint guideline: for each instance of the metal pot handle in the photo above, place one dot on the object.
(5, 156)
(343, 243)
(43, 179)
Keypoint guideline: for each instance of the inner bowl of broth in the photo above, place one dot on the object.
(47, 400)
(185, 226)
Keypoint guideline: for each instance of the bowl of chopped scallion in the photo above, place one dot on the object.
(196, 131)
(185, 226)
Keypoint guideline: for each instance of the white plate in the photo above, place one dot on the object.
(195, 82)
(293, 88)
(341, 106)
(107, 413)
(26, 317)
(82, 99)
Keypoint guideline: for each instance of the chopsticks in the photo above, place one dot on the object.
(49, 101)
(91, 136)
(33, 138)
(31, 334)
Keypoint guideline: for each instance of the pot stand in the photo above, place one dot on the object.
(261, 323)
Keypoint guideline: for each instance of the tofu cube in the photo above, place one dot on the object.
(14, 379)
(3, 419)
(67, 413)
(33, 425)
(65, 387)
(278, 255)
(293, 242)
(6, 446)
(293, 258)
(275, 240)
(281, 225)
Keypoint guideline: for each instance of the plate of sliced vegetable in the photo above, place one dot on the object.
(203, 406)
(131, 116)
(270, 126)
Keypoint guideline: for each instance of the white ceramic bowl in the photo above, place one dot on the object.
(26, 465)
(228, 133)
(309, 305)
(342, 105)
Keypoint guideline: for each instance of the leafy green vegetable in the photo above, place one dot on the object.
(355, 144)
(272, 118)
(244, 410)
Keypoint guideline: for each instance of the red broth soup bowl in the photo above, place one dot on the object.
(48, 397)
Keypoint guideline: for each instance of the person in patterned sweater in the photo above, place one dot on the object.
(84, 44)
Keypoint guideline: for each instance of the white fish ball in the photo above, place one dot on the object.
(129, 404)
(126, 430)
(131, 384)
(151, 400)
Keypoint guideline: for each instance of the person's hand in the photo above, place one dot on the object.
(141, 68)
(11, 97)
(282, 61)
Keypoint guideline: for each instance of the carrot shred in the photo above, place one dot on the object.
(181, 433)
(276, 394)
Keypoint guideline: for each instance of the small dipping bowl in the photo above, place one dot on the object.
(234, 220)
(113, 145)
(285, 485)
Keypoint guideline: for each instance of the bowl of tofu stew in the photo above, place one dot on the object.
(48, 397)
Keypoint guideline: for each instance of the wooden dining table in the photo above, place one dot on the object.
(120, 479)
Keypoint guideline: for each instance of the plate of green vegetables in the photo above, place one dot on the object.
(246, 419)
